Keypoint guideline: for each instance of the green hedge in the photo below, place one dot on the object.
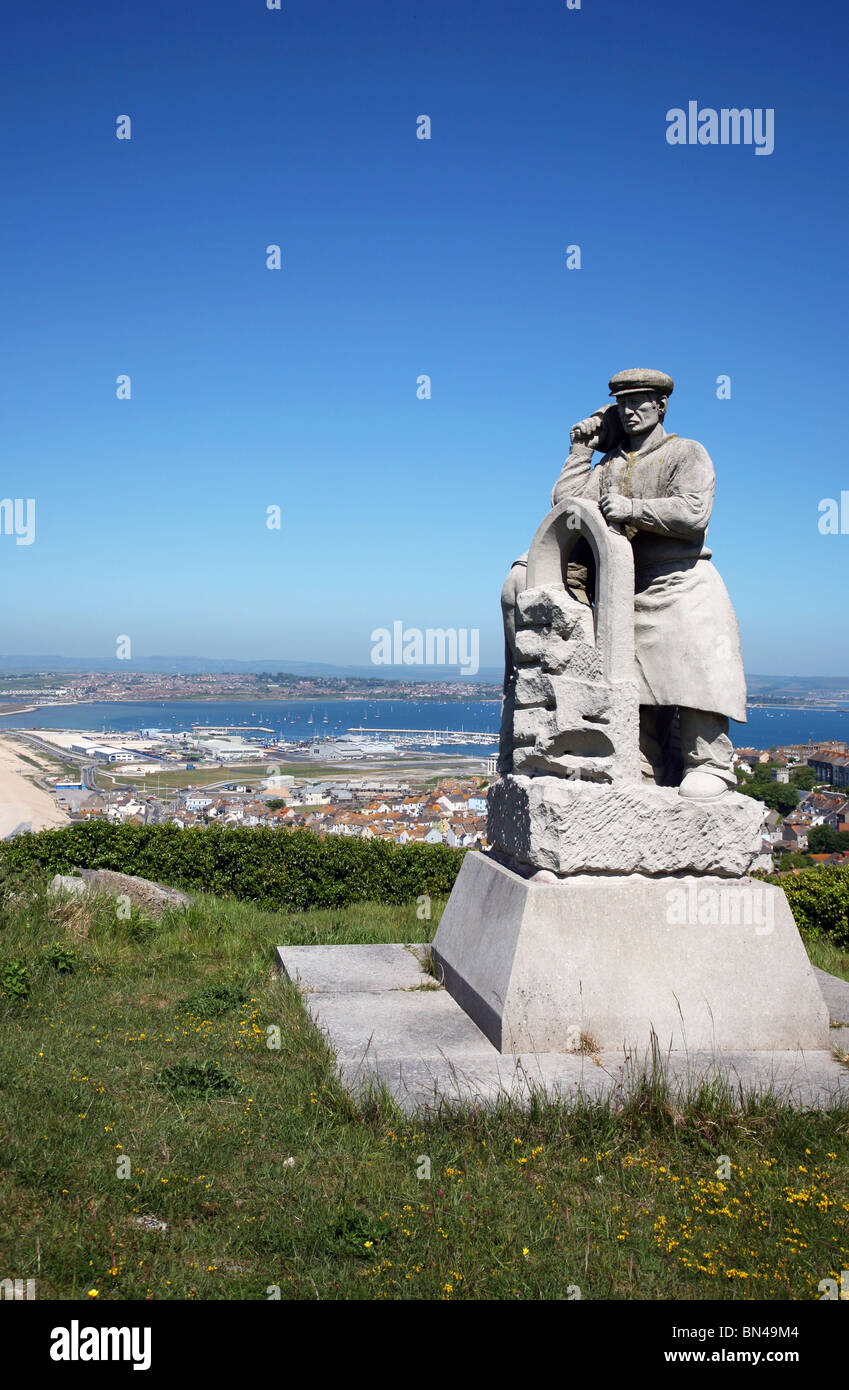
(295, 869)
(291, 869)
(819, 901)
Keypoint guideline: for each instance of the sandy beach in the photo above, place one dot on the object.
(21, 803)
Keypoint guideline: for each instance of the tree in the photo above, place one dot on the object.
(777, 796)
(803, 777)
(795, 860)
(819, 901)
(823, 840)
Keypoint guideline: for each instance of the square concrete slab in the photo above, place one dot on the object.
(812, 1080)
(391, 1026)
(351, 969)
(835, 992)
(399, 1024)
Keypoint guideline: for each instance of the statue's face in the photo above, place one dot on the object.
(639, 411)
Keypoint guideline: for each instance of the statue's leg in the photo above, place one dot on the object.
(651, 744)
(660, 752)
(707, 752)
(513, 586)
(673, 761)
(580, 573)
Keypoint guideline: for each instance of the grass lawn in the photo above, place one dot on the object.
(177, 779)
(154, 1145)
(826, 956)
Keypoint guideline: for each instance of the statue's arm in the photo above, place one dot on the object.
(600, 431)
(686, 508)
(577, 478)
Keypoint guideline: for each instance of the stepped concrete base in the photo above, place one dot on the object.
(605, 963)
(391, 1028)
(574, 827)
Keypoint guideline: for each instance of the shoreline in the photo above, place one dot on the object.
(262, 700)
(346, 699)
(22, 803)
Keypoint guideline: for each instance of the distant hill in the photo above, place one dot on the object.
(202, 665)
(214, 666)
(757, 685)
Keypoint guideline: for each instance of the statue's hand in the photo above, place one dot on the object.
(586, 431)
(601, 430)
(615, 508)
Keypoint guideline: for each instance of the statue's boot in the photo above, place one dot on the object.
(707, 755)
(699, 785)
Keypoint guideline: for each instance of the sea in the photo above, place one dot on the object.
(295, 721)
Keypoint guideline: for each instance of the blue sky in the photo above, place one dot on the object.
(297, 388)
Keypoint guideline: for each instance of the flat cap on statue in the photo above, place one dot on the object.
(641, 379)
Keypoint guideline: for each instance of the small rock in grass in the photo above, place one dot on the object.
(67, 883)
(150, 1223)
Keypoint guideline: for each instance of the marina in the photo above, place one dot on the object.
(433, 737)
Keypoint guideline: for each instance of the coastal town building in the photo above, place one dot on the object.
(831, 767)
(360, 803)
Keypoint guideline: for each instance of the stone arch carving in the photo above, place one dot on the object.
(577, 519)
(576, 712)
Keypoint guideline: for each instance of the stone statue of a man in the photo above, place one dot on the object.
(659, 489)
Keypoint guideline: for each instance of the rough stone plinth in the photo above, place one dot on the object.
(575, 827)
(604, 962)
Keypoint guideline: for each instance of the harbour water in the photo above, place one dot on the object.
(290, 721)
(294, 721)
